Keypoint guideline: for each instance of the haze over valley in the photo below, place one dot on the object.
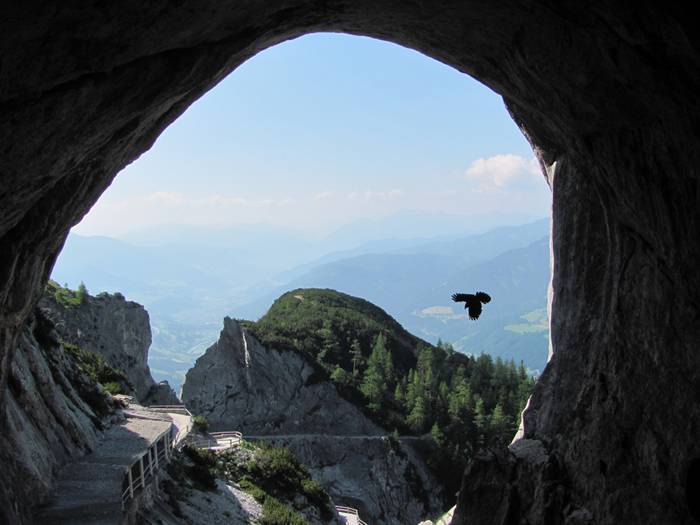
(189, 278)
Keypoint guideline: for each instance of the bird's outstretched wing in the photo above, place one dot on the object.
(474, 310)
(460, 297)
(483, 297)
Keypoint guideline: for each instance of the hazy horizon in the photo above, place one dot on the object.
(398, 226)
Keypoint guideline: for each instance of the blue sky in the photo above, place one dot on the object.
(324, 130)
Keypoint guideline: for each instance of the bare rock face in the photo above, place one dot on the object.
(607, 95)
(54, 414)
(238, 384)
(385, 479)
(117, 329)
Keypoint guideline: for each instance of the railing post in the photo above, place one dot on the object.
(156, 453)
(143, 473)
(131, 484)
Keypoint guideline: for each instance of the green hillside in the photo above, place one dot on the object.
(325, 325)
(402, 382)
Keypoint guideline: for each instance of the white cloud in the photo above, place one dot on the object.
(501, 171)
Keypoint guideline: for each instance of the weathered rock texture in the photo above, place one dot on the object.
(238, 384)
(54, 413)
(607, 94)
(386, 480)
(224, 506)
(119, 330)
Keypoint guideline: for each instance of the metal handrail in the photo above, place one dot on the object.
(174, 409)
(347, 510)
(350, 510)
(219, 438)
(148, 468)
(224, 435)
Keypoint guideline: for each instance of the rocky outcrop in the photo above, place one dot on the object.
(238, 384)
(224, 506)
(117, 329)
(606, 94)
(54, 414)
(385, 479)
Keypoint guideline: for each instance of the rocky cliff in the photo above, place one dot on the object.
(385, 479)
(109, 325)
(54, 414)
(238, 384)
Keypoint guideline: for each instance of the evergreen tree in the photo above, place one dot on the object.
(330, 349)
(522, 372)
(400, 394)
(381, 358)
(482, 372)
(440, 410)
(82, 292)
(411, 389)
(426, 369)
(500, 422)
(341, 376)
(437, 434)
(374, 386)
(356, 356)
(388, 366)
(418, 416)
(459, 402)
(481, 420)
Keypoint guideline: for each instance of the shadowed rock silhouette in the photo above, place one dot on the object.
(472, 301)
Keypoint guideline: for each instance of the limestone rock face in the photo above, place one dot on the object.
(385, 479)
(54, 414)
(238, 384)
(117, 329)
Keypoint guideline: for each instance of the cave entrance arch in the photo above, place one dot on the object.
(451, 118)
(607, 97)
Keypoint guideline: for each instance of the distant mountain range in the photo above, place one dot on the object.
(416, 289)
(188, 285)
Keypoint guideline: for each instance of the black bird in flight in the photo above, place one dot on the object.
(472, 301)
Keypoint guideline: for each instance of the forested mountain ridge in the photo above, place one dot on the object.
(402, 382)
(334, 329)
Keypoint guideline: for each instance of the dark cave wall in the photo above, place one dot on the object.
(608, 91)
(612, 426)
(620, 407)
